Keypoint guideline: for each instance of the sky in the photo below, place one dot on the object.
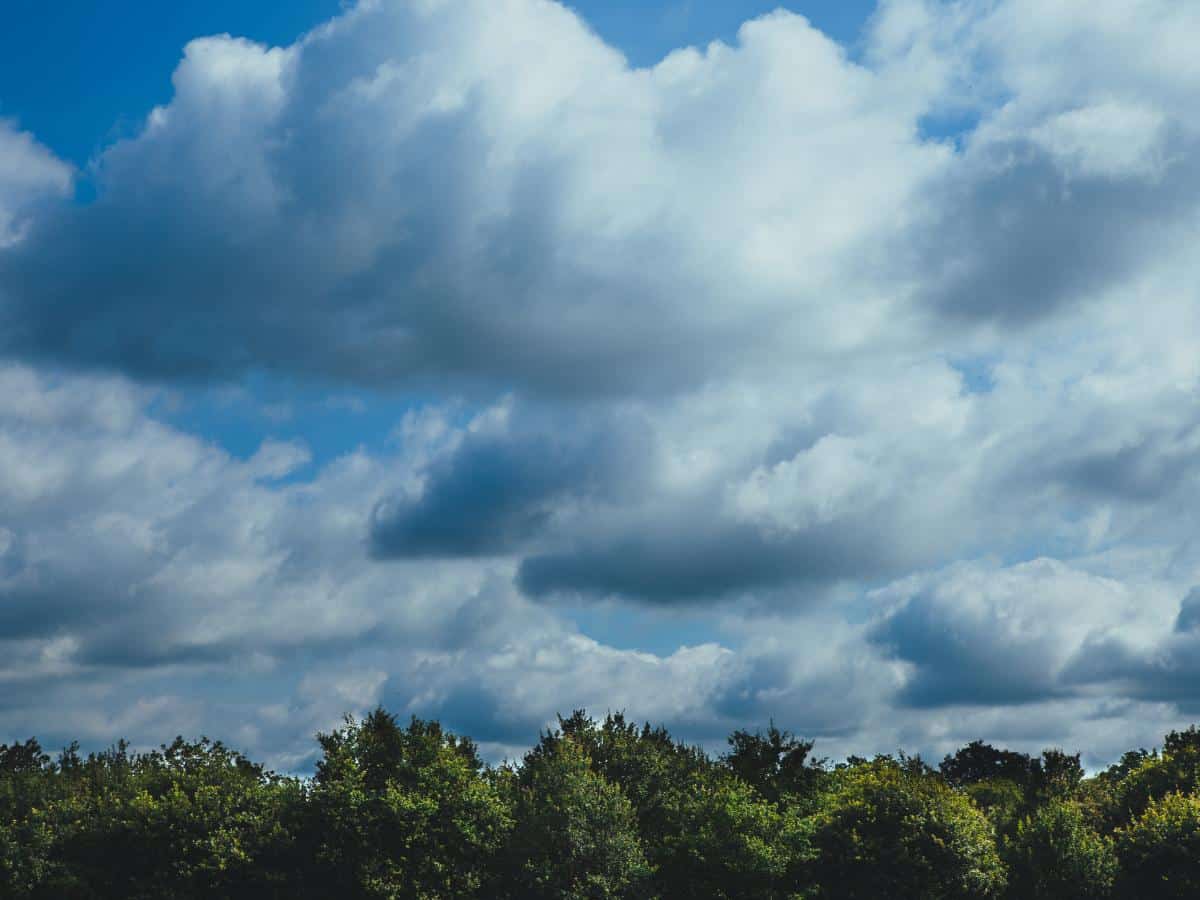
(490, 359)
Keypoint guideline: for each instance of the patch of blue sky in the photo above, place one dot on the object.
(657, 630)
(80, 74)
(977, 373)
(646, 32)
(949, 127)
(330, 422)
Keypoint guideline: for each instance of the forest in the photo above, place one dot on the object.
(597, 809)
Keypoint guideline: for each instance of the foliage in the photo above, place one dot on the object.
(576, 834)
(776, 764)
(403, 813)
(1056, 854)
(1159, 852)
(887, 831)
(1001, 800)
(597, 809)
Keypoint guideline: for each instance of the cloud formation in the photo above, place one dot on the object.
(30, 176)
(410, 192)
(879, 366)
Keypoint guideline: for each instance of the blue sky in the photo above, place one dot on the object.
(492, 358)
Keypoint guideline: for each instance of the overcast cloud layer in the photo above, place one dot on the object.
(857, 390)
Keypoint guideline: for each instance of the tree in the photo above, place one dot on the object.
(1056, 775)
(725, 841)
(1175, 770)
(576, 834)
(776, 764)
(1159, 851)
(1056, 854)
(705, 832)
(1001, 800)
(191, 820)
(982, 762)
(403, 813)
(885, 830)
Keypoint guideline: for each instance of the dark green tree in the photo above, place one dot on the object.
(1056, 854)
(777, 764)
(978, 761)
(402, 813)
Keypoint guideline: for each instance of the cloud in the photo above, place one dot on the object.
(151, 581)
(501, 486)
(882, 367)
(1162, 669)
(30, 177)
(980, 636)
(410, 193)
(1023, 234)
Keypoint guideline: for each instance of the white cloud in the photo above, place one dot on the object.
(29, 175)
(762, 327)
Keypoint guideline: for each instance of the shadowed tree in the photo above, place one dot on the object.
(1056, 854)
(776, 764)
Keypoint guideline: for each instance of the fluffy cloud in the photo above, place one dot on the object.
(886, 363)
(30, 176)
(410, 191)
(982, 636)
(151, 582)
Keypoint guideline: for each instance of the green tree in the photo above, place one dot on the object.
(1159, 851)
(705, 831)
(1154, 776)
(1001, 800)
(1056, 775)
(576, 834)
(402, 813)
(190, 820)
(1056, 854)
(725, 841)
(978, 762)
(777, 764)
(889, 830)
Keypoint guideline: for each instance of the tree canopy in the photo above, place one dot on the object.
(596, 809)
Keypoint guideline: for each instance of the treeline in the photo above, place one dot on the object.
(595, 810)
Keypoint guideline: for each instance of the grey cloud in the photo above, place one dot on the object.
(1189, 612)
(31, 177)
(957, 666)
(690, 560)
(497, 493)
(1016, 236)
(1167, 670)
(976, 634)
(1144, 472)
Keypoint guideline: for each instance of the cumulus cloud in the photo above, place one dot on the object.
(983, 636)
(410, 191)
(30, 176)
(148, 578)
(497, 486)
(885, 361)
